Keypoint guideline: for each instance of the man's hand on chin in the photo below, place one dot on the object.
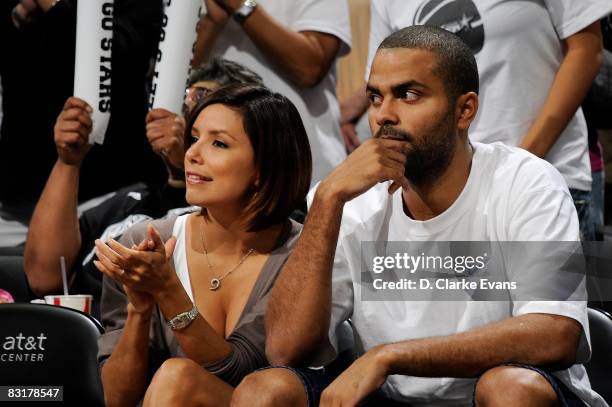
(376, 160)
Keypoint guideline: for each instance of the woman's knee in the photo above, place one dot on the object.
(176, 370)
(173, 380)
(270, 387)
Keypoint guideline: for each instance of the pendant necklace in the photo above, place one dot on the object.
(215, 282)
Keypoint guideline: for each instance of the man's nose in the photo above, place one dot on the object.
(386, 113)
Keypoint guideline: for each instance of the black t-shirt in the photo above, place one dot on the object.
(37, 73)
(130, 205)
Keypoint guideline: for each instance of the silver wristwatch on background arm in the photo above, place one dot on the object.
(248, 6)
(182, 320)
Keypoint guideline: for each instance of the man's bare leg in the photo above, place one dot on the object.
(514, 386)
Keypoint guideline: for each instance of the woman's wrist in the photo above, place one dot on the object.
(140, 314)
(168, 288)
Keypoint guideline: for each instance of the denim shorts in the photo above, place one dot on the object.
(314, 381)
(564, 395)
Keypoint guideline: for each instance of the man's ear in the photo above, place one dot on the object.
(466, 109)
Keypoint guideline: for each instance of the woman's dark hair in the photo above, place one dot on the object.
(282, 152)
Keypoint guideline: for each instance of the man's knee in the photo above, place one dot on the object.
(514, 386)
(270, 387)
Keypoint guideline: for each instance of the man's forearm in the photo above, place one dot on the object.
(54, 230)
(208, 32)
(125, 372)
(534, 339)
(572, 81)
(301, 57)
(354, 106)
(304, 58)
(297, 319)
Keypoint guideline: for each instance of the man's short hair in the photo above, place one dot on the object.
(282, 151)
(456, 63)
(223, 72)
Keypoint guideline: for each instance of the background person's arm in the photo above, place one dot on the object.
(305, 57)
(351, 111)
(583, 56)
(54, 227)
(357, 104)
(209, 28)
(165, 135)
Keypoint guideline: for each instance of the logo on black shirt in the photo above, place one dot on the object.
(460, 17)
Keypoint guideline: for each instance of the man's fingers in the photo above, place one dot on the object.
(155, 114)
(76, 102)
(397, 184)
(155, 136)
(180, 121)
(396, 145)
(68, 129)
(69, 138)
(85, 119)
(164, 145)
(69, 125)
(155, 124)
(166, 121)
(74, 113)
(396, 157)
(84, 132)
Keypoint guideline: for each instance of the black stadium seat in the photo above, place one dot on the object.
(45, 345)
(599, 368)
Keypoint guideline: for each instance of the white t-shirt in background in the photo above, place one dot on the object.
(510, 196)
(518, 50)
(318, 106)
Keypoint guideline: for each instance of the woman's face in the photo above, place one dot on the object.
(220, 163)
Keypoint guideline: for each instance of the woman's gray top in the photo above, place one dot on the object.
(248, 338)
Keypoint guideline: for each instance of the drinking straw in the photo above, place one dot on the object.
(64, 279)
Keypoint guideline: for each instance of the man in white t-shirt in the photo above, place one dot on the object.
(293, 46)
(423, 94)
(536, 60)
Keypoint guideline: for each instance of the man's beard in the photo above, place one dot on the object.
(430, 156)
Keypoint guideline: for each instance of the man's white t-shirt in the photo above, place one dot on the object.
(510, 196)
(518, 50)
(318, 106)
